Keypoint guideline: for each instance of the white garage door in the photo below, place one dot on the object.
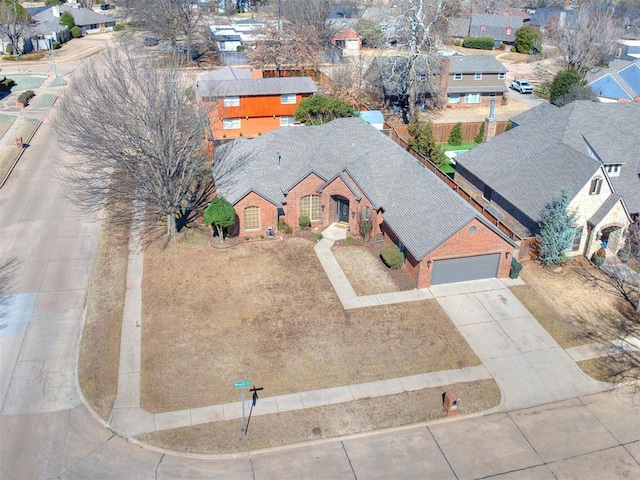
(464, 269)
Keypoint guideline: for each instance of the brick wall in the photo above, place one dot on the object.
(465, 244)
(308, 186)
(268, 215)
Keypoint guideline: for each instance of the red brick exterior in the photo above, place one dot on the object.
(268, 214)
(465, 244)
(461, 244)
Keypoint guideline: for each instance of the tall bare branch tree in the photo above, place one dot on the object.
(416, 29)
(170, 19)
(284, 46)
(584, 38)
(137, 136)
(14, 20)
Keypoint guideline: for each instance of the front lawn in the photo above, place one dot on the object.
(265, 311)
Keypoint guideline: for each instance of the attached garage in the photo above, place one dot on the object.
(464, 269)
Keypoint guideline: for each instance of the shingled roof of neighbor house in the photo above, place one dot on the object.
(562, 149)
(422, 210)
(256, 86)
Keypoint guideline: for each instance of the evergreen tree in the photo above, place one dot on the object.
(556, 230)
(528, 39)
(424, 141)
(562, 84)
(480, 136)
(67, 20)
(455, 137)
(318, 109)
(221, 214)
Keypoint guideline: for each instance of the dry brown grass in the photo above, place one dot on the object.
(571, 308)
(333, 420)
(100, 348)
(619, 368)
(366, 273)
(265, 311)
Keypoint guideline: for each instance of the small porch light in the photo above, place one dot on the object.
(428, 263)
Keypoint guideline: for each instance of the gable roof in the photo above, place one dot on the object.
(475, 64)
(534, 115)
(256, 86)
(529, 165)
(82, 16)
(458, 27)
(422, 210)
(496, 26)
(541, 16)
(620, 80)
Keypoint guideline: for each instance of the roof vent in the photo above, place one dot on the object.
(278, 160)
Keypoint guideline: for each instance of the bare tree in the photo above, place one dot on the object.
(311, 16)
(170, 19)
(415, 29)
(14, 20)
(348, 80)
(138, 136)
(584, 38)
(283, 47)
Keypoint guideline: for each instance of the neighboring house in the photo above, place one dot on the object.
(502, 28)
(346, 171)
(474, 79)
(387, 79)
(619, 82)
(242, 103)
(545, 17)
(589, 148)
(348, 41)
(235, 36)
(88, 20)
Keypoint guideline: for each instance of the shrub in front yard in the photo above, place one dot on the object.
(76, 32)
(392, 256)
(319, 237)
(350, 240)
(481, 43)
(284, 227)
(304, 221)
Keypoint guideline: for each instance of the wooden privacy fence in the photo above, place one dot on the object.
(474, 202)
(442, 130)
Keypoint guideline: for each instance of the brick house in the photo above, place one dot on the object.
(590, 149)
(474, 80)
(348, 41)
(347, 171)
(242, 103)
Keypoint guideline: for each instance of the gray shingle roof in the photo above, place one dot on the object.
(226, 73)
(472, 89)
(496, 26)
(535, 114)
(476, 64)
(529, 165)
(256, 86)
(82, 16)
(604, 209)
(458, 27)
(421, 209)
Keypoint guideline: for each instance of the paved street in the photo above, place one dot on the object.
(47, 250)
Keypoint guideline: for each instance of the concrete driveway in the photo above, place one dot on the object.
(526, 362)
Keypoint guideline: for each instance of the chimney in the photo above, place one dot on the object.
(55, 10)
(490, 123)
(256, 73)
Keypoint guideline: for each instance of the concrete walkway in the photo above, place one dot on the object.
(526, 362)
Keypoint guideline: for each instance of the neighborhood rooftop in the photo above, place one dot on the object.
(256, 86)
(475, 64)
(561, 149)
(422, 210)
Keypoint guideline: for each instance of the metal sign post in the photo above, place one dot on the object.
(254, 400)
(242, 384)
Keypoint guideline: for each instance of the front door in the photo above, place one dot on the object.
(342, 210)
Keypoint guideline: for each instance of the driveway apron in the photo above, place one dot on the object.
(526, 362)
